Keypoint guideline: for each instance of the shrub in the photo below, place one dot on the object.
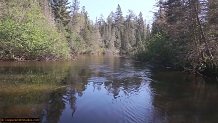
(25, 34)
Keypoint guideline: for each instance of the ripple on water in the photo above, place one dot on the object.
(98, 79)
(128, 97)
(133, 106)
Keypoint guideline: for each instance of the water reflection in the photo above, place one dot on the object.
(55, 106)
(103, 89)
(184, 98)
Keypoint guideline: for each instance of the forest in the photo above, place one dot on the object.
(184, 33)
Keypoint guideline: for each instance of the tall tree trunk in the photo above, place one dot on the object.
(201, 31)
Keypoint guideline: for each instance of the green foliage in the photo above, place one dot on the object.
(24, 34)
(157, 50)
(126, 35)
(184, 35)
(61, 11)
(78, 44)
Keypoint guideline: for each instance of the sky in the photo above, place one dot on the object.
(97, 7)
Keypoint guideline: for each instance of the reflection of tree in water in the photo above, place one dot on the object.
(184, 98)
(109, 86)
(97, 85)
(124, 78)
(56, 106)
(127, 85)
(114, 81)
(76, 81)
(72, 99)
(77, 84)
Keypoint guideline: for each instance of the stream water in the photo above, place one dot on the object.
(105, 89)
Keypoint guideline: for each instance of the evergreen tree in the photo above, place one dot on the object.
(61, 11)
(119, 17)
(119, 30)
(75, 6)
(186, 29)
(141, 25)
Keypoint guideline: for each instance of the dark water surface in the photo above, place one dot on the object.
(105, 89)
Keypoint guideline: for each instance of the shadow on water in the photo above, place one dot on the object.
(104, 89)
(181, 97)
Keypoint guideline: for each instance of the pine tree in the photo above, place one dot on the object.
(61, 11)
(119, 17)
(75, 7)
(189, 27)
(119, 20)
(141, 25)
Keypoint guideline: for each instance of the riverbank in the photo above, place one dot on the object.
(50, 57)
(206, 73)
(171, 61)
(134, 91)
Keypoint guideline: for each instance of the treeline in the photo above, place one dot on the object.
(185, 33)
(45, 30)
(115, 34)
(27, 33)
(58, 29)
(125, 35)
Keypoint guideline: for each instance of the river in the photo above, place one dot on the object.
(104, 89)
